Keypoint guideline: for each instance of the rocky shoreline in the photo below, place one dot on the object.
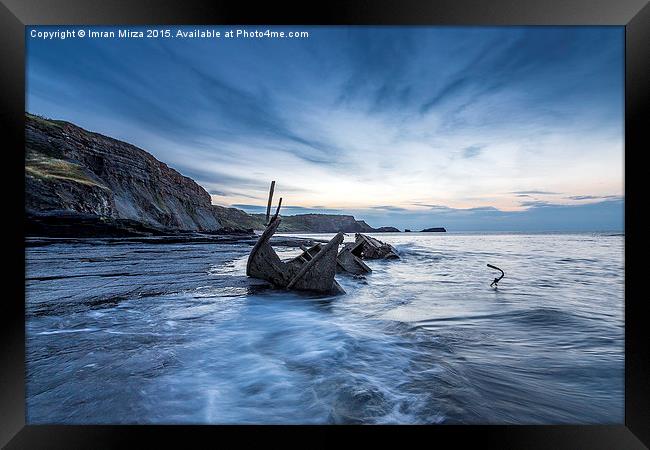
(193, 238)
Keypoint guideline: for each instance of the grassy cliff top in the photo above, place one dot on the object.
(47, 167)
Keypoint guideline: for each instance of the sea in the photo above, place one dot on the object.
(141, 333)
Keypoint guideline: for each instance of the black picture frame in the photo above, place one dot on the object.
(16, 14)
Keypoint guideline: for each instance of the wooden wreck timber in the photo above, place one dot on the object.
(312, 270)
(366, 247)
(346, 261)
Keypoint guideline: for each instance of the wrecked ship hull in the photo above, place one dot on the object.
(313, 270)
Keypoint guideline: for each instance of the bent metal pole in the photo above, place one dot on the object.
(496, 280)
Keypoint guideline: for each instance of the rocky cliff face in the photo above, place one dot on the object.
(71, 171)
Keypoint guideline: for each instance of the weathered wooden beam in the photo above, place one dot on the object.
(277, 211)
(336, 241)
(268, 206)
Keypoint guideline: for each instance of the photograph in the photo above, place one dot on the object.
(324, 225)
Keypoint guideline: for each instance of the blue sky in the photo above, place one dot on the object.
(472, 128)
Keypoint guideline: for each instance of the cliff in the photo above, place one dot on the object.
(387, 230)
(320, 223)
(72, 172)
(237, 219)
(434, 230)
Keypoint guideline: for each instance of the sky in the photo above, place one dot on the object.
(471, 128)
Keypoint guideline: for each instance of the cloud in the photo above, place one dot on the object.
(536, 203)
(472, 151)
(389, 208)
(288, 210)
(220, 178)
(368, 79)
(595, 197)
(526, 193)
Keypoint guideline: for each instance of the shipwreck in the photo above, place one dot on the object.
(315, 268)
(312, 270)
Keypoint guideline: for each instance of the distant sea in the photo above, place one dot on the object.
(176, 333)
